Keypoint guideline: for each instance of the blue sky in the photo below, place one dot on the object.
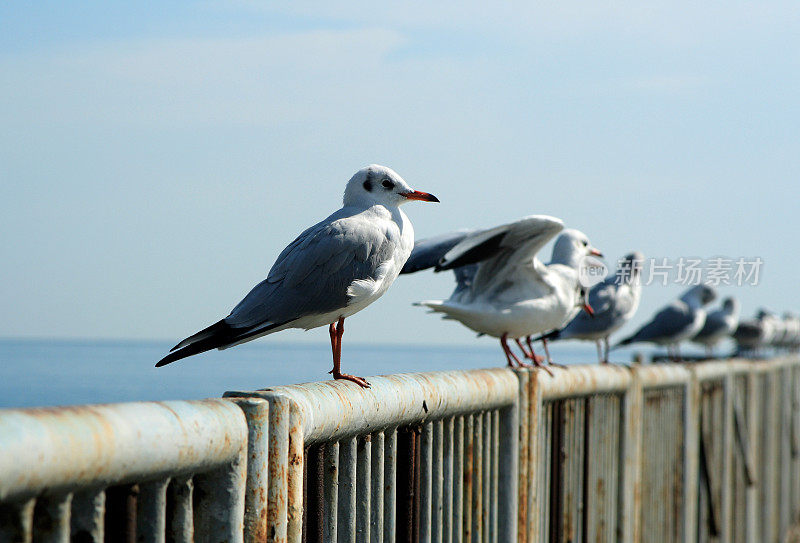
(156, 158)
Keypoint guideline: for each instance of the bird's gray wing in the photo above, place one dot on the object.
(502, 249)
(667, 323)
(603, 295)
(505, 245)
(312, 275)
(601, 298)
(428, 252)
(715, 321)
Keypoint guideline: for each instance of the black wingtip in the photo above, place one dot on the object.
(172, 357)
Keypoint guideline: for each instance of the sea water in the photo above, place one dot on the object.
(66, 372)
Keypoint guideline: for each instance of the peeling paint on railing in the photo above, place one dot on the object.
(668, 452)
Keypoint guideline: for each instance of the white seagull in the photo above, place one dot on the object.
(720, 324)
(678, 321)
(502, 289)
(332, 270)
(614, 302)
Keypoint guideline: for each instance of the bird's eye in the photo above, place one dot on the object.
(585, 243)
(388, 185)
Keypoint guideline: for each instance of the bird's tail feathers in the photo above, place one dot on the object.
(217, 336)
(213, 330)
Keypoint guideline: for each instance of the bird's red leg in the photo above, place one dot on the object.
(535, 357)
(537, 360)
(547, 354)
(336, 333)
(525, 353)
(508, 352)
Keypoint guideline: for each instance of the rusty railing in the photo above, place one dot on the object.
(697, 452)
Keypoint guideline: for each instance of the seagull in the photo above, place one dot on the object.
(613, 301)
(332, 270)
(792, 339)
(752, 336)
(502, 289)
(719, 325)
(680, 320)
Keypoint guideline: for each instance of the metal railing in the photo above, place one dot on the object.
(701, 452)
(107, 472)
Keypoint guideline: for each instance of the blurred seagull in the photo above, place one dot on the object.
(752, 336)
(680, 320)
(332, 270)
(614, 302)
(719, 325)
(502, 289)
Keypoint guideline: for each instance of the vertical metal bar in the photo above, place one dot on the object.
(363, 487)
(630, 495)
(726, 486)
(542, 471)
(691, 457)
(595, 510)
(219, 502)
(331, 467)
(426, 483)
(785, 440)
(437, 481)
(151, 513)
(509, 463)
(539, 450)
(495, 477)
(377, 492)
(525, 477)
(51, 519)
(294, 509)
(390, 483)
(348, 458)
(278, 468)
(16, 522)
(468, 467)
(447, 480)
(180, 528)
(88, 510)
(477, 478)
(795, 441)
(486, 484)
(256, 411)
(458, 480)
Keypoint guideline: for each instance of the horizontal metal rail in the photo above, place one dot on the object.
(61, 470)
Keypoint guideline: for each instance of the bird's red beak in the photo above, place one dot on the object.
(595, 252)
(588, 309)
(419, 195)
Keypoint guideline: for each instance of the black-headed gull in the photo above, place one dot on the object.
(613, 301)
(678, 321)
(502, 289)
(332, 270)
(720, 323)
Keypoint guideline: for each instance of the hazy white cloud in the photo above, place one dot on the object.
(272, 79)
